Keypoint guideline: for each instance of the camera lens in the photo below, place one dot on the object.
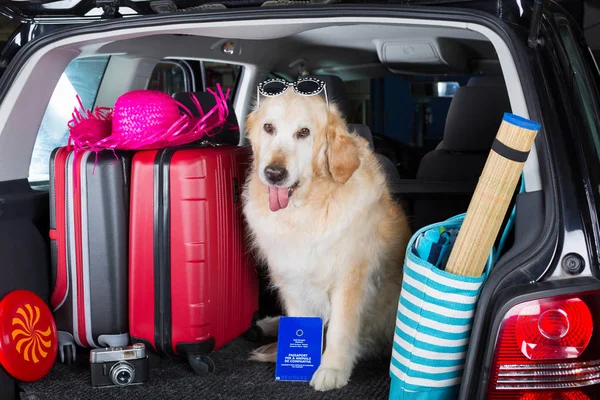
(124, 377)
(122, 374)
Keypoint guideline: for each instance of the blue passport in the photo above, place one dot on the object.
(299, 348)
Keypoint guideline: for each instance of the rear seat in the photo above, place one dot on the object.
(473, 120)
(336, 92)
(393, 176)
(230, 133)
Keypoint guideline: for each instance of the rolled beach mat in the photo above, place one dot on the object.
(492, 195)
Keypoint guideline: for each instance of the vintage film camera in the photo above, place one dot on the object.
(119, 366)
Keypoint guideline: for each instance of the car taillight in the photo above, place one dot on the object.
(570, 395)
(548, 349)
(555, 329)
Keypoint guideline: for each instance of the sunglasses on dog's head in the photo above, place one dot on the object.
(303, 86)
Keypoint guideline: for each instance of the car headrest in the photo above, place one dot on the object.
(486, 81)
(336, 92)
(230, 132)
(364, 131)
(474, 116)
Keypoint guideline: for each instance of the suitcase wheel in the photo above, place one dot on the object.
(67, 354)
(66, 347)
(202, 365)
(254, 334)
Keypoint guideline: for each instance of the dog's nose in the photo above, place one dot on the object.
(275, 174)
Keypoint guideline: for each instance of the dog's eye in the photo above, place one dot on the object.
(268, 128)
(302, 133)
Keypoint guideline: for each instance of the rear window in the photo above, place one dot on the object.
(81, 77)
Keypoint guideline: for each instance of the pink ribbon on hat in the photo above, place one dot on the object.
(143, 120)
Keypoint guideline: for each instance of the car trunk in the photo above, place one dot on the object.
(352, 42)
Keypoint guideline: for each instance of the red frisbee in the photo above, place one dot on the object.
(28, 337)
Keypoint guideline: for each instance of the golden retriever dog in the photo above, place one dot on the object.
(321, 217)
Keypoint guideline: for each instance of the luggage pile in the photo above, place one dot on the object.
(147, 237)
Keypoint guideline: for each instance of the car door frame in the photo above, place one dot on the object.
(553, 89)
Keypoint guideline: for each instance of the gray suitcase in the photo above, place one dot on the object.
(89, 224)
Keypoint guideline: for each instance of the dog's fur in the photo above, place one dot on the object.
(336, 251)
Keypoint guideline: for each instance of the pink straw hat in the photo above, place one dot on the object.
(145, 119)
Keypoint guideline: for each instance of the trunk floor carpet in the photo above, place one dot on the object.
(235, 378)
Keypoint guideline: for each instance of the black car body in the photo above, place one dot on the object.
(556, 250)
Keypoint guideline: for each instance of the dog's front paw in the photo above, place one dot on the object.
(328, 378)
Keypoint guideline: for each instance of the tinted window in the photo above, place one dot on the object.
(226, 75)
(81, 77)
(172, 77)
(359, 101)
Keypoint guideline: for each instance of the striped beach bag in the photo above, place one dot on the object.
(433, 324)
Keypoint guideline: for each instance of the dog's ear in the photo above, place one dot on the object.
(342, 151)
(251, 120)
(252, 130)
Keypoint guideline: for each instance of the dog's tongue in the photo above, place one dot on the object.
(278, 198)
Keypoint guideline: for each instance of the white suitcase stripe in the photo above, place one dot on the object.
(85, 250)
(72, 258)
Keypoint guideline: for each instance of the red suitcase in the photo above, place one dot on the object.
(192, 284)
